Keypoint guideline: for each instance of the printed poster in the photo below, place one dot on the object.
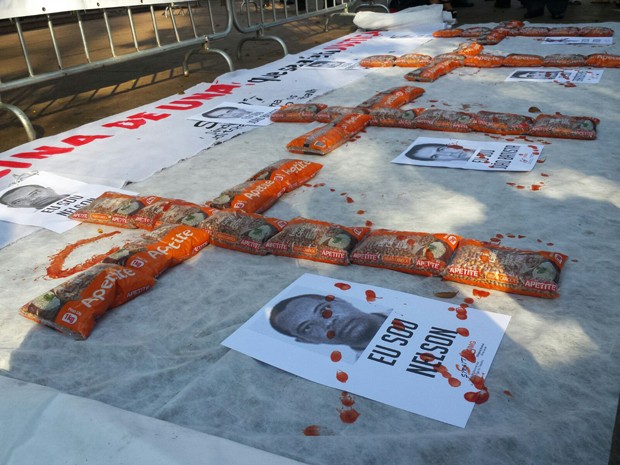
(581, 76)
(46, 200)
(332, 64)
(237, 113)
(422, 355)
(578, 40)
(470, 155)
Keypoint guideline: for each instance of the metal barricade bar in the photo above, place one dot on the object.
(193, 33)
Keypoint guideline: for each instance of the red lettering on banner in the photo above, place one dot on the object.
(181, 105)
(126, 124)
(78, 140)
(41, 153)
(150, 116)
(15, 164)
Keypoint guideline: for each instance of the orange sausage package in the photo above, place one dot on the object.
(484, 60)
(603, 60)
(534, 31)
(595, 31)
(500, 123)
(297, 113)
(323, 140)
(110, 208)
(413, 60)
(472, 32)
(315, 240)
(408, 252)
(291, 173)
(446, 33)
(433, 71)
(494, 37)
(566, 127)
(75, 306)
(250, 196)
(378, 61)
(564, 31)
(564, 60)
(394, 118)
(161, 249)
(483, 264)
(147, 217)
(182, 212)
(444, 120)
(245, 232)
(515, 60)
(331, 113)
(469, 49)
(395, 97)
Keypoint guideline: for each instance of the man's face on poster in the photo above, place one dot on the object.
(315, 319)
(226, 112)
(30, 196)
(436, 152)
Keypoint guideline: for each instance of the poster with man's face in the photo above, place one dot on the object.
(237, 113)
(417, 354)
(470, 155)
(47, 200)
(562, 76)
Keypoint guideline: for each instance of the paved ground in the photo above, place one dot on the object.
(92, 96)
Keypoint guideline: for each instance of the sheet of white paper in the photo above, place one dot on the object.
(46, 200)
(417, 354)
(237, 113)
(578, 40)
(582, 76)
(470, 155)
(331, 64)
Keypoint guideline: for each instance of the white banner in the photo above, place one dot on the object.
(22, 8)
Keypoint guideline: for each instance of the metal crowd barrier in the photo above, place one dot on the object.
(256, 16)
(89, 34)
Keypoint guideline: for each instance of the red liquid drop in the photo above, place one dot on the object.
(350, 200)
(477, 381)
(479, 293)
(349, 416)
(329, 298)
(501, 236)
(342, 376)
(521, 237)
(508, 393)
(469, 300)
(312, 430)
(520, 187)
(462, 316)
(495, 239)
(327, 313)
(477, 397)
(343, 286)
(336, 356)
(369, 223)
(371, 296)
(360, 212)
(549, 244)
(461, 311)
(426, 357)
(397, 324)
(512, 236)
(545, 175)
(347, 400)
(535, 187)
(511, 183)
(469, 355)
(463, 331)
(454, 382)
(332, 190)
(330, 334)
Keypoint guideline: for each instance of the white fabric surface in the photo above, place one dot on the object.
(409, 18)
(57, 429)
(555, 380)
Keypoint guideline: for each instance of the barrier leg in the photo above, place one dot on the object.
(21, 116)
(205, 49)
(261, 36)
(344, 12)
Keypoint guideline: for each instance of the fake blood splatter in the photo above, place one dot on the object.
(369, 223)
(463, 331)
(346, 399)
(312, 430)
(371, 296)
(349, 416)
(55, 269)
(480, 293)
(468, 300)
(330, 298)
(327, 313)
(350, 200)
(335, 356)
(508, 393)
(479, 397)
(342, 376)
(330, 334)
(361, 212)
(469, 355)
(343, 286)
